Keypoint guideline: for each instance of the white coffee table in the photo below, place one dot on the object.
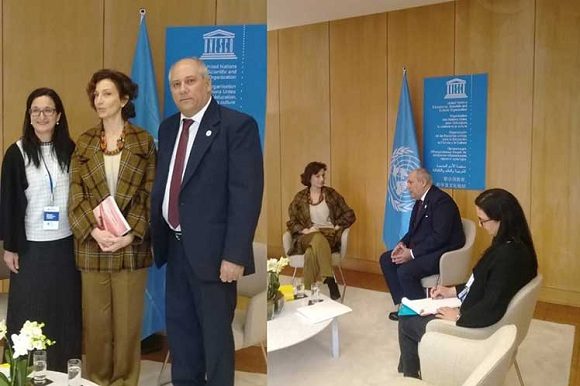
(61, 379)
(290, 327)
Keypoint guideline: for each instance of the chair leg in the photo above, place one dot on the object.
(264, 353)
(163, 370)
(518, 372)
(343, 283)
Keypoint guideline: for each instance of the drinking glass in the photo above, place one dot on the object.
(315, 292)
(39, 366)
(299, 288)
(74, 372)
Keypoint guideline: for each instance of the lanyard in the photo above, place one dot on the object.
(52, 187)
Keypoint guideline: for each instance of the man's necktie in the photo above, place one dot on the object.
(178, 166)
(418, 214)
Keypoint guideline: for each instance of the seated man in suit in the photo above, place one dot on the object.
(434, 228)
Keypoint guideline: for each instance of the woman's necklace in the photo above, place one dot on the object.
(320, 198)
(120, 143)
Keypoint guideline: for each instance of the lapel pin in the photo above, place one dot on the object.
(208, 133)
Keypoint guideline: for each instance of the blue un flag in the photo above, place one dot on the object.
(147, 110)
(404, 159)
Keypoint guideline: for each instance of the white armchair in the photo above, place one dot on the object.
(454, 266)
(448, 360)
(249, 325)
(519, 312)
(297, 261)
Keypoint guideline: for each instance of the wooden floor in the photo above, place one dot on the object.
(251, 359)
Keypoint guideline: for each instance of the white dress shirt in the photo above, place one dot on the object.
(192, 133)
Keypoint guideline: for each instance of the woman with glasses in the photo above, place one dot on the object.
(505, 267)
(113, 159)
(38, 243)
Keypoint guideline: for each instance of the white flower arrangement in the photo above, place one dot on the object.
(29, 339)
(277, 265)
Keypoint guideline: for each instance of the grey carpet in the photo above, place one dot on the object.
(150, 373)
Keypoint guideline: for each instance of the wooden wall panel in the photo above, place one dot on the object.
(414, 45)
(276, 216)
(304, 104)
(358, 141)
(122, 24)
(56, 45)
(241, 12)
(556, 140)
(498, 38)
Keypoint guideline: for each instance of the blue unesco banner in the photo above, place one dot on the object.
(454, 130)
(235, 56)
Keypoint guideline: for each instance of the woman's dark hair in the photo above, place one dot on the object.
(125, 86)
(500, 205)
(63, 145)
(311, 169)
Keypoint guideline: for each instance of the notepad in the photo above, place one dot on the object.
(110, 218)
(324, 310)
(429, 306)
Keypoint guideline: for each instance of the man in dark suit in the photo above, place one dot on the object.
(205, 206)
(435, 228)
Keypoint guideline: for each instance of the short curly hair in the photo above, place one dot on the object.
(311, 169)
(125, 86)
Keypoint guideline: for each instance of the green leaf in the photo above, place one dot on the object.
(4, 380)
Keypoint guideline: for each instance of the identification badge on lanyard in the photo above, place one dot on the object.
(50, 217)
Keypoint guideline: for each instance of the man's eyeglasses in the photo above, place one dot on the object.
(47, 111)
(481, 222)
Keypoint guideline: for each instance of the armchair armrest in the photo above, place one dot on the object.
(287, 241)
(255, 326)
(450, 328)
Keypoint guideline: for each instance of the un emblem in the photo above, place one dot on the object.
(403, 161)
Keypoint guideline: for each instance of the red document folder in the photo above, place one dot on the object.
(110, 218)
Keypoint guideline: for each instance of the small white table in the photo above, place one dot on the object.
(290, 327)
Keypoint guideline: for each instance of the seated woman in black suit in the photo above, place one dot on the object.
(505, 267)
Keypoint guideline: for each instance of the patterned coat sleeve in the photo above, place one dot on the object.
(140, 207)
(341, 214)
(298, 213)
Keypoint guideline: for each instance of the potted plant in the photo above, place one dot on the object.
(19, 352)
(274, 297)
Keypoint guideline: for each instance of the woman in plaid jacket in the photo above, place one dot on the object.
(318, 216)
(118, 159)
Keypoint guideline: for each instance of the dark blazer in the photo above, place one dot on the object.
(439, 228)
(501, 272)
(221, 191)
(13, 200)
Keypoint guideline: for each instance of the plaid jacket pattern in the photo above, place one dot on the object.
(299, 212)
(89, 187)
